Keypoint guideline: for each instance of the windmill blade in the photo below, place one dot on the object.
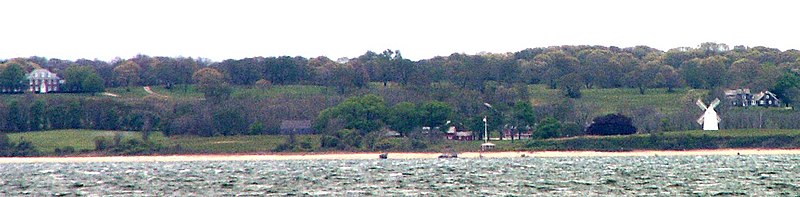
(719, 119)
(700, 120)
(714, 103)
(700, 104)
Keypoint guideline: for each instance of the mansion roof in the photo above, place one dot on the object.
(42, 74)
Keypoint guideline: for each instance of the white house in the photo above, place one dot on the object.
(43, 81)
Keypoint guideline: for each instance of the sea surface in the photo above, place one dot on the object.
(765, 175)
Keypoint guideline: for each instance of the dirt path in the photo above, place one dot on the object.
(149, 91)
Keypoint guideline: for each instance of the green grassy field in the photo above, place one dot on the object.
(604, 101)
(135, 92)
(618, 99)
(238, 144)
(47, 141)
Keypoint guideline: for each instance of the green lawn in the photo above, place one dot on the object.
(238, 144)
(47, 141)
(604, 101)
(178, 91)
(286, 90)
(737, 133)
(132, 92)
(618, 99)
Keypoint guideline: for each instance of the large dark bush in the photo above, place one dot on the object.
(611, 124)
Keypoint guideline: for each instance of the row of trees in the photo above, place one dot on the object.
(459, 81)
(77, 78)
(31, 114)
(708, 66)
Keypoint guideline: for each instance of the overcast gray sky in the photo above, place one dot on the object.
(420, 29)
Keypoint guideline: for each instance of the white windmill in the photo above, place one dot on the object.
(709, 119)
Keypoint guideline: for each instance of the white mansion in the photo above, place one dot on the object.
(43, 81)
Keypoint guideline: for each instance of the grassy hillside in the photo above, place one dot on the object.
(604, 100)
(617, 99)
(47, 141)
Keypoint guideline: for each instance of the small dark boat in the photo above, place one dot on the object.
(383, 156)
(448, 155)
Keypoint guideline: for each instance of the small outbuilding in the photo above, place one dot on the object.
(296, 127)
(390, 133)
(461, 135)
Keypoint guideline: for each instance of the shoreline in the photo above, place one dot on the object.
(392, 155)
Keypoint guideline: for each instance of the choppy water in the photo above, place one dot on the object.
(662, 176)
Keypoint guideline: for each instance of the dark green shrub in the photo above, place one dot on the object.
(611, 124)
(65, 150)
(283, 147)
(25, 149)
(548, 128)
(101, 143)
(327, 141)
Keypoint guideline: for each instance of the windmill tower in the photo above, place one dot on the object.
(709, 119)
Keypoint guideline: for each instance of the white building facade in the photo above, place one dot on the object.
(43, 81)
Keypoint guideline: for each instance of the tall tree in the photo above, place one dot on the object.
(212, 83)
(93, 83)
(127, 74)
(643, 76)
(82, 79)
(403, 117)
(596, 68)
(364, 113)
(558, 64)
(743, 71)
(523, 114)
(571, 85)
(12, 78)
(435, 113)
(668, 77)
(166, 71)
(787, 88)
(37, 115)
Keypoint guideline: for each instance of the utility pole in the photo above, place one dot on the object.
(485, 130)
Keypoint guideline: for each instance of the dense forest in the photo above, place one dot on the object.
(384, 90)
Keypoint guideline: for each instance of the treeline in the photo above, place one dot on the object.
(569, 68)
(709, 66)
(461, 82)
(666, 141)
(33, 114)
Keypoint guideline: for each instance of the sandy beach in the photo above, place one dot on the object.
(395, 155)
